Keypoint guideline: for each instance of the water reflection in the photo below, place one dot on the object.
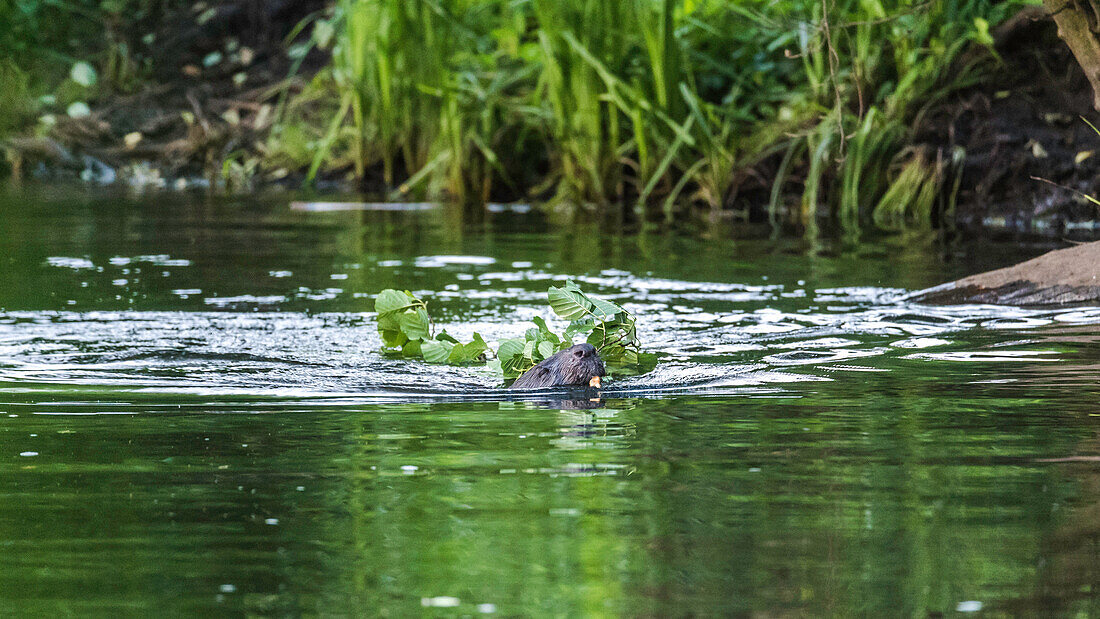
(840, 501)
(218, 434)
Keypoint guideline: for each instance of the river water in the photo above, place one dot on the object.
(195, 418)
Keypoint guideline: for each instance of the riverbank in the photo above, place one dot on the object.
(997, 145)
(1065, 277)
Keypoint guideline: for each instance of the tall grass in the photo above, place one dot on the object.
(15, 102)
(655, 105)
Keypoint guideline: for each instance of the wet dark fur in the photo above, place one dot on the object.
(571, 367)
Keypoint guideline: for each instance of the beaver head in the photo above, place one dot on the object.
(579, 365)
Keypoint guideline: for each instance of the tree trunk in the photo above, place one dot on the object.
(1079, 26)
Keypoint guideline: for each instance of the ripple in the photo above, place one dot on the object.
(708, 338)
(244, 299)
(443, 261)
(984, 356)
(66, 262)
(805, 357)
(921, 342)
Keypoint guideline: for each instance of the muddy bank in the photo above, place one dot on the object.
(1030, 158)
(1068, 276)
(199, 117)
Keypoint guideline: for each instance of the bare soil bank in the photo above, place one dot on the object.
(1068, 276)
(1029, 155)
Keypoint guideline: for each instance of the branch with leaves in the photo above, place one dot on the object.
(407, 330)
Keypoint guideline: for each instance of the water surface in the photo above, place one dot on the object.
(195, 417)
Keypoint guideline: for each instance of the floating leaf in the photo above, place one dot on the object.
(477, 348)
(510, 354)
(446, 337)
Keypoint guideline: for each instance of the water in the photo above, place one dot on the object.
(194, 418)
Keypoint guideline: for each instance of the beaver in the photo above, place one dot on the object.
(579, 365)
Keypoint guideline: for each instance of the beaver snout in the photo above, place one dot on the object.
(579, 365)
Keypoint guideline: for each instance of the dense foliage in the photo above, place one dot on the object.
(807, 106)
(656, 102)
(407, 330)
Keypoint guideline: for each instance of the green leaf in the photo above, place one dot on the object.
(510, 354)
(443, 336)
(468, 353)
(436, 351)
(412, 348)
(569, 302)
(457, 356)
(579, 326)
(390, 300)
(508, 368)
(414, 323)
(510, 348)
(393, 338)
(405, 327)
(477, 348)
(607, 309)
(632, 364)
(546, 349)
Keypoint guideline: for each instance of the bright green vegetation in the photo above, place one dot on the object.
(654, 103)
(406, 328)
(603, 324)
(810, 108)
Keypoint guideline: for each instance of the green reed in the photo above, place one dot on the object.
(656, 105)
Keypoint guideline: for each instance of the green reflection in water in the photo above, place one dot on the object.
(879, 497)
(899, 486)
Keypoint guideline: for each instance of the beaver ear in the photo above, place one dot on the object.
(578, 352)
